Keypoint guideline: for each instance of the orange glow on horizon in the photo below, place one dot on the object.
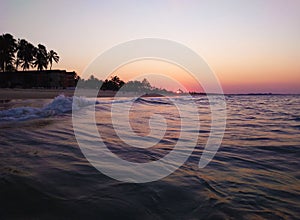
(160, 74)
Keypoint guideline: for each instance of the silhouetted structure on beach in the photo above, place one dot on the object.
(21, 54)
(53, 79)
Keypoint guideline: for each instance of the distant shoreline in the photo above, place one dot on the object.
(9, 94)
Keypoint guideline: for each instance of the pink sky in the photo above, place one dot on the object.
(252, 46)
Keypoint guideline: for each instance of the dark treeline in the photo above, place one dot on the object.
(15, 54)
(23, 55)
(115, 84)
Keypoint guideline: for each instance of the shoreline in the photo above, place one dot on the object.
(11, 94)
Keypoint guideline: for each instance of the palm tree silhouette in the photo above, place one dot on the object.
(25, 54)
(18, 59)
(41, 60)
(52, 56)
(7, 51)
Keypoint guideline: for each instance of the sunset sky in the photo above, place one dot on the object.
(252, 46)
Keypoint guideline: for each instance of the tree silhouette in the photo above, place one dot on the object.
(138, 86)
(41, 60)
(17, 61)
(7, 49)
(115, 83)
(52, 56)
(21, 45)
(25, 54)
(146, 85)
(118, 83)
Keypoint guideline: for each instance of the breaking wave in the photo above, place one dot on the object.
(63, 104)
(59, 105)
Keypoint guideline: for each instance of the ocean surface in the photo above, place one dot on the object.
(254, 175)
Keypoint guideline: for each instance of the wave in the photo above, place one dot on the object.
(59, 105)
(153, 101)
(62, 105)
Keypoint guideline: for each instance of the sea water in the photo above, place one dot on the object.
(254, 175)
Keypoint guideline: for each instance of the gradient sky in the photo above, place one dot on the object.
(252, 46)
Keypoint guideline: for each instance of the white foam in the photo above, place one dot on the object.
(59, 105)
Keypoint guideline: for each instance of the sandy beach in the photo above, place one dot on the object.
(9, 94)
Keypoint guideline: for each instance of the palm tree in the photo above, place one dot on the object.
(25, 54)
(28, 57)
(7, 51)
(41, 60)
(18, 61)
(52, 56)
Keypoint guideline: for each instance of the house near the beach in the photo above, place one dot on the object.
(52, 79)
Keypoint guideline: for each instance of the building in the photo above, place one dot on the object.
(52, 79)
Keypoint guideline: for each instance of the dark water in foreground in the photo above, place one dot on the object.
(254, 175)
